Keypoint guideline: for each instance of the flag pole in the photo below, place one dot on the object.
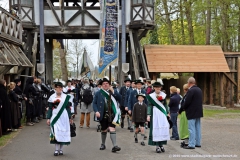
(110, 94)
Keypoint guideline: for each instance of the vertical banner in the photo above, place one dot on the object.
(108, 35)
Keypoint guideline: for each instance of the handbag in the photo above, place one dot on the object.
(73, 130)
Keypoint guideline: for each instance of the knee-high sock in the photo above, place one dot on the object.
(142, 137)
(128, 120)
(104, 136)
(136, 133)
(61, 147)
(113, 138)
(56, 147)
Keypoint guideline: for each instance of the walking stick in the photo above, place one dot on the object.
(109, 100)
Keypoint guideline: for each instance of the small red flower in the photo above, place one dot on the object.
(56, 103)
(69, 90)
(160, 98)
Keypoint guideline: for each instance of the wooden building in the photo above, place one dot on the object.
(80, 19)
(216, 72)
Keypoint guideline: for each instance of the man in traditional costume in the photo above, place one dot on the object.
(59, 119)
(123, 92)
(70, 90)
(108, 117)
(157, 116)
(132, 98)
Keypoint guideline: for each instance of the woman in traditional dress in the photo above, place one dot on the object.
(15, 112)
(59, 119)
(157, 116)
(183, 129)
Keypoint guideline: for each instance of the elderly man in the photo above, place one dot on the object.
(108, 117)
(194, 111)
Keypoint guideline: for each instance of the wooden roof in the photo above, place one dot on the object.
(185, 58)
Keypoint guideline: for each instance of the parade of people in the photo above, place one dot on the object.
(119, 79)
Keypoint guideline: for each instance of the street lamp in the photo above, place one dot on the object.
(74, 66)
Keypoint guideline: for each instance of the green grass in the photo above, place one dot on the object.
(225, 113)
(6, 138)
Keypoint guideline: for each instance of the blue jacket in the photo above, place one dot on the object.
(99, 102)
(132, 99)
(123, 92)
(127, 96)
(174, 103)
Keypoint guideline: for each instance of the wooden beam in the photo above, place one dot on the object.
(134, 56)
(221, 89)
(62, 13)
(238, 69)
(230, 79)
(93, 18)
(54, 12)
(73, 17)
(141, 56)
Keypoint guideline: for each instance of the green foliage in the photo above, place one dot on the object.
(224, 24)
(57, 72)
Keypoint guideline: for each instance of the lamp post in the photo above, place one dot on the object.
(74, 66)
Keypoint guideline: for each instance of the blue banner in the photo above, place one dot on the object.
(108, 35)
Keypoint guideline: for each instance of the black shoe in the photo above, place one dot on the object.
(56, 153)
(187, 147)
(174, 139)
(131, 130)
(198, 146)
(162, 149)
(158, 150)
(136, 140)
(145, 137)
(102, 147)
(116, 148)
(142, 143)
(122, 125)
(60, 153)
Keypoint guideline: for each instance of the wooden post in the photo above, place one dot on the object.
(134, 56)
(238, 87)
(211, 88)
(34, 50)
(221, 90)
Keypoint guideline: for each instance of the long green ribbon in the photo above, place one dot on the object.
(59, 114)
(156, 105)
(112, 103)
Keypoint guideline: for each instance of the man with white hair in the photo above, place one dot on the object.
(194, 111)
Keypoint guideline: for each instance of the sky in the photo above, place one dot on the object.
(92, 45)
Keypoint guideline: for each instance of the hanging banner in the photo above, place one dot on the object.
(108, 35)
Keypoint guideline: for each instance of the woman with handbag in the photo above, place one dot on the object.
(59, 119)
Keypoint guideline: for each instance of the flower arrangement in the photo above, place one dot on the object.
(56, 103)
(160, 98)
(69, 90)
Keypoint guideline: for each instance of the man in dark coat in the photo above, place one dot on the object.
(123, 92)
(194, 111)
(5, 115)
(101, 109)
(132, 98)
(30, 92)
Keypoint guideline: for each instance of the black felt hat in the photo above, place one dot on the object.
(58, 84)
(141, 94)
(17, 80)
(127, 80)
(104, 80)
(138, 81)
(157, 84)
(99, 82)
(69, 81)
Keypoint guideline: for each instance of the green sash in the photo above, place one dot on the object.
(114, 106)
(58, 115)
(159, 105)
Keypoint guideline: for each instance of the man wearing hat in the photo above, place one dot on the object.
(132, 98)
(108, 117)
(139, 117)
(157, 112)
(70, 90)
(123, 92)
